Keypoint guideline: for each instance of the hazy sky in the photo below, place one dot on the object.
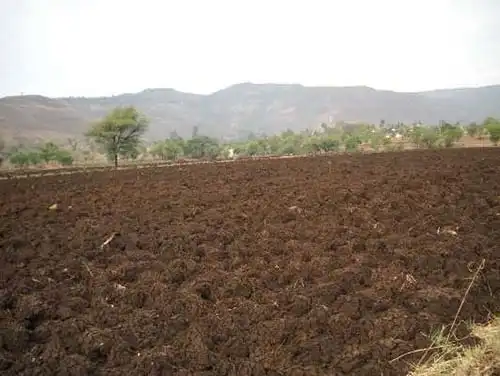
(103, 47)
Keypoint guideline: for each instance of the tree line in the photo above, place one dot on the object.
(119, 136)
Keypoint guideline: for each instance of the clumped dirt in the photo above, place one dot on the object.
(308, 266)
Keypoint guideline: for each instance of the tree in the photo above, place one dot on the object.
(120, 132)
(253, 148)
(25, 158)
(322, 144)
(274, 144)
(352, 143)
(202, 147)
(473, 130)
(167, 150)
(377, 139)
(424, 137)
(451, 134)
(492, 126)
(48, 152)
(65, 158)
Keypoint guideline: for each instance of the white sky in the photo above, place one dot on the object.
(103, 47)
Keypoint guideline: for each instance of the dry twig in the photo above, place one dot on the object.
(432, 345)
(108, 240)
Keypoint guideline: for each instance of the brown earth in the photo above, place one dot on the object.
(307, 266)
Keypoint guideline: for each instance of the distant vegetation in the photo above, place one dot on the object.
(239, 110)
(118, 136)
(46, 154)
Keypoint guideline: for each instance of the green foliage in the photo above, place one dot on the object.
(65, 158)
(47, 153)
(474, 130)
(323, 144)
(378, 140)
(430, 138)
(352, 142)
(25, 158)
(365, 132)
(450, 134)
(202, 147)
(168, 149)
(290, 143)
(289, 149)
(425, 137)
(328, 139)
(50, 152)
(274, 144)
(120, 132)
(256, 147)
(492, 126)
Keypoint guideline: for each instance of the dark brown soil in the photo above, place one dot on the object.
(308, 266)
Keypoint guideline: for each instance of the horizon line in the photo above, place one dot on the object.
(22, 94)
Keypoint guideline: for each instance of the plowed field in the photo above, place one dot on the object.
(307, 266)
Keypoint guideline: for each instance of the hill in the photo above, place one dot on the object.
(243, 108)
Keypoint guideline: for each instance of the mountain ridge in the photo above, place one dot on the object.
(240, 109)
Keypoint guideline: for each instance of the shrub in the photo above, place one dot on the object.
(25, 158)
(492, 126)
(425, 137)
(451, 134)
(352, 143)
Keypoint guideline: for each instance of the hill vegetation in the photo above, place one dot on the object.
(243, 110)
(118, 136)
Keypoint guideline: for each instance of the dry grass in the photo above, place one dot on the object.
(448, 356)
(452, 358)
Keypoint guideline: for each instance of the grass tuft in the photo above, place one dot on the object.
(450, 358)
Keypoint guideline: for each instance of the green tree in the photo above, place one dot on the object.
(238, 147)
(323, 144)
(157, 150)
(65, 158)
(352, 142)
(274, 144)
(25, 158)
(253, 148)
(167, 150)
(377, 140)
(120, 132)
(492, 126)
(291, 143)
(424, 137)
(473, 129)
(19, 159)
(451, 134)
(49, 152)
(202, 147)
(257, 147)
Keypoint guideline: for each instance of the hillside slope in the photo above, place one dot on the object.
(243, 108)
